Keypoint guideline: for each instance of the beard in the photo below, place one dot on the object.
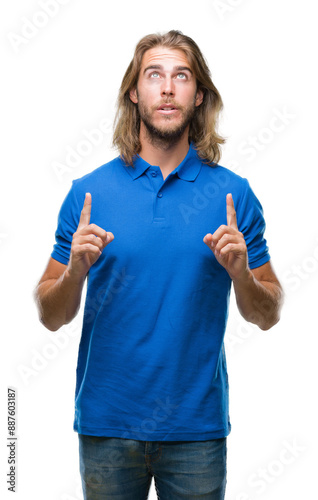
(168, 134)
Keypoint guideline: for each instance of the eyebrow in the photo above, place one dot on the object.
(176, 68)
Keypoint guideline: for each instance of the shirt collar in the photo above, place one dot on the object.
(187, 170)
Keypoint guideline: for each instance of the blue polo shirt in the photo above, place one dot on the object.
(151, 361)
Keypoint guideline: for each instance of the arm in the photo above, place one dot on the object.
(258, 292)
(259, 297)
(58, 293)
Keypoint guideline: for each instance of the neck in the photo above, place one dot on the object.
(166, 156)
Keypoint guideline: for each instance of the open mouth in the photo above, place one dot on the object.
(167, 109)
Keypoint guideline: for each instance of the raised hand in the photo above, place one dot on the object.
(228, 244)
(88, 242)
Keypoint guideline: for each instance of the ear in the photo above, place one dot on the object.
(133, 95)
(199, 97)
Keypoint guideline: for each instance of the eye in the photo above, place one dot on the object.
(155, 74)
(181, 76)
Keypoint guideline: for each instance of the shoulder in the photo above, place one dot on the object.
(98, 180)
(99, 174)
(224, 179)
(95, 182)
(217, 181)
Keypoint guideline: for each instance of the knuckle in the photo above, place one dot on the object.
(225, 238)
(90, 248)
(79, 251)
(93, 249)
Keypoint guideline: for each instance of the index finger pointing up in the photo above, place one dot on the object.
(230, 212)
(86, 211)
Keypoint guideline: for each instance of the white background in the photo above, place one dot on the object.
(61, 79)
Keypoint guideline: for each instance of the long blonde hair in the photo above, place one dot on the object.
(203, 127)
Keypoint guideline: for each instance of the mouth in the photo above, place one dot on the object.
(167, 109)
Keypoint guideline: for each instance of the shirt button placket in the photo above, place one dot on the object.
(157, 184)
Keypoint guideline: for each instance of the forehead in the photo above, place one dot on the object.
(165, 57)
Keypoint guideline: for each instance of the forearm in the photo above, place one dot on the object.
(259, 302)
(58, 300)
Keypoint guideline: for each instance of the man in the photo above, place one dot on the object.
(152, 387)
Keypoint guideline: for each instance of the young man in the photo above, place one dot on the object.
(161, 233)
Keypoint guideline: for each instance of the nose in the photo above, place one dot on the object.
(167, 87)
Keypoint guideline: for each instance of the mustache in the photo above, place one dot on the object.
(171, 102)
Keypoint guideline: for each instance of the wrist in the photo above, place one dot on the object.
(72, 278)
(244, 279)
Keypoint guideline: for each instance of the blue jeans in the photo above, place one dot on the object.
(122, 469)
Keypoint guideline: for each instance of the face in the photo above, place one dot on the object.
(166, 93)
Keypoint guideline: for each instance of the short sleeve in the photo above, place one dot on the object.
(251, 222)
(67, 223)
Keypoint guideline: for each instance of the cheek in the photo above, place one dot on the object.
(186, 93)
(149, 98)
